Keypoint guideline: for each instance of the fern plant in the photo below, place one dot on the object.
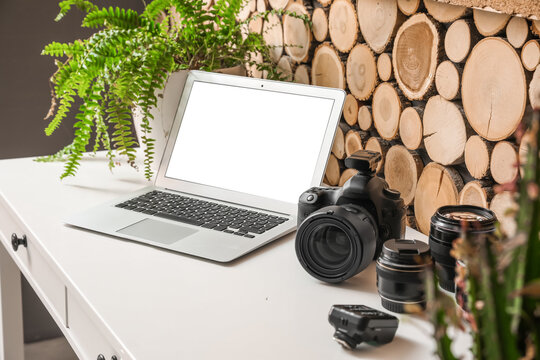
(129, 57)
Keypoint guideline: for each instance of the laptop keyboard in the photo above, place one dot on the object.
(206, 214)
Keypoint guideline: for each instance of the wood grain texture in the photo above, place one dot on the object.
(361, 72)
(437, 186)
(494, 105)
(415, 56)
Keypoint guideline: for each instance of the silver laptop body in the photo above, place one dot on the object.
(243, 143)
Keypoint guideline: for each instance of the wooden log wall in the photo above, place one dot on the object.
(438, 89)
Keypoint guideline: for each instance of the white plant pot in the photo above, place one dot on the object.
(165, 111)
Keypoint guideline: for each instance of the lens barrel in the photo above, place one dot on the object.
(448, 224)
(336, 242)
(401, 269)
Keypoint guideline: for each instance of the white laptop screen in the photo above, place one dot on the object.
(255, 141)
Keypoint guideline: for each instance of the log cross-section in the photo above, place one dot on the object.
(444, 13)
(494, 89)
(327, 69)
(411, 128)
(378, 22)
(402, 169)
(517, 31)
(504, 162)
(296, 33)
(490, 23)
(361, 72)
(415, 56)
(477, 156)
(530, 55)
(342, 25)
(387, 105)
(445, 131)
(273, 36)
(350, 110)
(353, 142)
(381, 146)
(460, 38)
(448, 80)
(319, 25)
(438, 186)
(477, 193)
(409, 7)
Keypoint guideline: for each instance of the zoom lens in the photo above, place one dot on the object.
(448, 224)
(336, 242)
(401, 269)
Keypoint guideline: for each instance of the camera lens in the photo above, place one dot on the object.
(331, 245)
(448, 224)
(400, 274)
(336, 242)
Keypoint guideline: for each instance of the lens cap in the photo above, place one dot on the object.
(400, 274)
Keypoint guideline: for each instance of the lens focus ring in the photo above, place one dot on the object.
(336, 242)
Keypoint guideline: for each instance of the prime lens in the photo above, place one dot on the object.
(401, 269)
(336, 242)
(450, 223)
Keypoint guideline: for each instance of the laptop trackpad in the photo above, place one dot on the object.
(158, 231)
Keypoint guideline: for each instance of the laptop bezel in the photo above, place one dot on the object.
(208, 191)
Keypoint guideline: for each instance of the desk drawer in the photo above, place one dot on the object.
(90, 342)
(41, 276)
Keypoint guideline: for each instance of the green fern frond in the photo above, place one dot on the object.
(62, 49)
(114, 17)
(155, 8)
(59, 156)
(65, 6)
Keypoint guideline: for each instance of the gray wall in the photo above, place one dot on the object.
(26, 26)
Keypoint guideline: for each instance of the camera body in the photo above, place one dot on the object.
(363, 214)
(363, 189)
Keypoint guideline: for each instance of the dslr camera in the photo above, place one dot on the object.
(341, 230)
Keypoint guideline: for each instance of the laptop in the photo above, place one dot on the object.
(240, 152)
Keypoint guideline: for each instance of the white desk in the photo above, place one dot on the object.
(116, 297)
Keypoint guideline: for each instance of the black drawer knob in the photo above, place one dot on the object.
(16, 241)
(101, 357)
